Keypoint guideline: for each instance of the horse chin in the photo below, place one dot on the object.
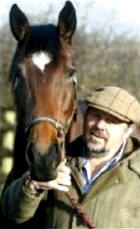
(43, 165)
(35, 175)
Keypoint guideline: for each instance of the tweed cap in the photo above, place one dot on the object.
(117, 102)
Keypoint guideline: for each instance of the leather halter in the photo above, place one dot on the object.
(57, 124)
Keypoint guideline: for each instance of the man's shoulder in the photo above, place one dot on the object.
(134, 161)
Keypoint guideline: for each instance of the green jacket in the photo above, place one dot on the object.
(112, 202)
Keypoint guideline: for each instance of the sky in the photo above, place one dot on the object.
(125, 13)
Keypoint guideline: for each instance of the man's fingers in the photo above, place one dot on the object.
(63, 188)
(51, 185)
(63, 168)
(62, 182)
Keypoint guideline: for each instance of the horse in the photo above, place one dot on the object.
(43, 82)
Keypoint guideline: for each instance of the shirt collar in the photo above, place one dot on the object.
(110, 163)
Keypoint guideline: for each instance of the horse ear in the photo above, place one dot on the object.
(18, 23)
(67, 21)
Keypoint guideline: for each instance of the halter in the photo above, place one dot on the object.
(61, 128)
(56, 123)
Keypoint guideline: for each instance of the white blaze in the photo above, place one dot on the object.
(40, 59)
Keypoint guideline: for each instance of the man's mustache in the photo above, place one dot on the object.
(98, 133)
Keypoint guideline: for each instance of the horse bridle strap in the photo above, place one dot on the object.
(56, 123)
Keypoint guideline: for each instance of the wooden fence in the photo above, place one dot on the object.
(7, 133)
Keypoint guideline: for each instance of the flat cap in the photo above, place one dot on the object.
(115, 101)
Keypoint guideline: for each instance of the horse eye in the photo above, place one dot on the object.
(71, 72)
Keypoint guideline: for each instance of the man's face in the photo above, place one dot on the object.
(103, 133)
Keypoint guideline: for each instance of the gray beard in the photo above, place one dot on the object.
(95, 153)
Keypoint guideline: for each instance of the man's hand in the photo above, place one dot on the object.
(62, 182)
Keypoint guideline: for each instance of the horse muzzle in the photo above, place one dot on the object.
(43, 165)
(43, 162)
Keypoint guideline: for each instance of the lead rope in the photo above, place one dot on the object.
(83, 215)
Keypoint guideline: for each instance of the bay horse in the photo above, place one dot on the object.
(43, 79)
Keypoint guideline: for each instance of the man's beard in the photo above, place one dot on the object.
(94, 151)
(94, 148)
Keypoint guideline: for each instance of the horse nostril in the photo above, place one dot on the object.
(43, 164)
(54, 164)
(29, 152)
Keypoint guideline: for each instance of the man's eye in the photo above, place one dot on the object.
(96, 116)
(112, 120)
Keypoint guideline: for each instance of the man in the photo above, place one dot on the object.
(102, 172)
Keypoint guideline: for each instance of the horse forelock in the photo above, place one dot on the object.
(42, 38)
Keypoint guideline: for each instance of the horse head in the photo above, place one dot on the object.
(43, 82)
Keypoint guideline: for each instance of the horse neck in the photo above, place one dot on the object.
(19, 160)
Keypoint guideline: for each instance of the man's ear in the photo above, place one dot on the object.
(130, 130)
